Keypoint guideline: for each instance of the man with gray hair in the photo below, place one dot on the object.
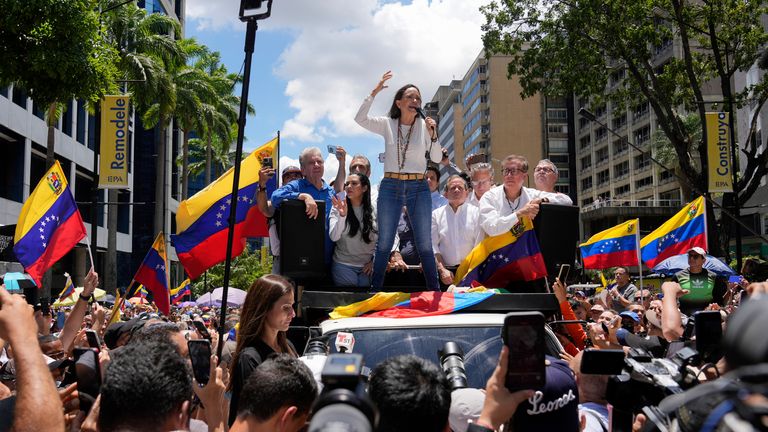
(310, 189)
(545, 177)
(481, 175)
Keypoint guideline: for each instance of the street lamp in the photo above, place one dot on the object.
(251, 11)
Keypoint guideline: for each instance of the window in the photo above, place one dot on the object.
(600, 133)
(472, 123)
(622, 190)
(619, 147)
(12, 174)
(557, 114)
(562, 188)
(640, 110)
(765, 224)
(617, 76)
(123, 211)
(584, 142)
(602, 155)
(587, 201)
(642, 135)
(583, 123)
(586, 183)
(557, 128)
(605, 196)
(643, 161)
(619, 121)
(559, 159)
(644, 182)
(600, 111)
(4, 91)
(621, 169)
(66, 121)
(564, 173)
(666, 176)
(558, 145)
(20, 97)
(586, 162)
(603, 177)
(81, 121)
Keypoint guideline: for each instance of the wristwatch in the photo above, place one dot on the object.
(84, 298)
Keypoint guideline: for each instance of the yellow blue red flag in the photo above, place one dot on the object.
(203, 219)
(69, 288)
(178, 293)
(686, 229)
(614, 247)
(152, 274)
(49, 224)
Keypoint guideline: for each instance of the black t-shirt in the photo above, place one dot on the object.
(250, 358)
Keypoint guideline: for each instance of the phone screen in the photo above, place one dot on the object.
(88, 376)
(709, 334)
(200, 354)
(267, 162)
(602, 361)
(201, 329)
(563, 273)
(734, 279)
(524, 335)
(331, 149)
(93, 339)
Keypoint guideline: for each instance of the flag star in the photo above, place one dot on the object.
(42, 223)
(42, 236)
(506, 259)
(250, 201)
(229, 200)
(47, 219)
(41, 230)
(218, 223)
(223, 207)
(45, 245)
(218, 215)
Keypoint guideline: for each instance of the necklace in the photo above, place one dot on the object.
(402, 149)
(509, 203)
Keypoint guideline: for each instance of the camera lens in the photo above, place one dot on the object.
(316, 347)
(452, 361)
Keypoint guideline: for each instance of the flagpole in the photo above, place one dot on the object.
(706, 233)
(88, 242)
(639, 259)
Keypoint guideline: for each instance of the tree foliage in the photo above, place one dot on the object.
(246, 268)
(56, 50)
(580, 47)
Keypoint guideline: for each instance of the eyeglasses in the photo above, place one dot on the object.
(544, 169)
(513, 171)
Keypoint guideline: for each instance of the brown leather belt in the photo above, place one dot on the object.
(404, 176)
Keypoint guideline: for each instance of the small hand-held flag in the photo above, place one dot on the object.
(69, 288)
(178, 293)
(153, 275)
(49, 224)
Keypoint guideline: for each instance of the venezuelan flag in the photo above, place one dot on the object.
(686, 229)
(616, 246)
(69, 289)
(497, 260)
(178, 294)
(152, 274)
(49, 225)
(430, 303)
(202, 220)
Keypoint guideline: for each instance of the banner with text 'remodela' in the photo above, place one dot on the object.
(113, 172)
(719, 152)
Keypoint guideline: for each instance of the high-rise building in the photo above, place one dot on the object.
(23, 139)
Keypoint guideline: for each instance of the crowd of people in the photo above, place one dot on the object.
(138, 371)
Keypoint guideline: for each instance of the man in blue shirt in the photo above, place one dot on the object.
(310, 189)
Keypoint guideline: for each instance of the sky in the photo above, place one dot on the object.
(316, 60)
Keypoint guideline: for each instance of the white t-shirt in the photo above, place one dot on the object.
(454, 234)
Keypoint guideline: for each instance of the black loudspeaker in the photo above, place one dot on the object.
(557, 228)
(302, 241)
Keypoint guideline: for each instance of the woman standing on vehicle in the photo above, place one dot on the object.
(353, 227)
(266, 316)
(407, 138)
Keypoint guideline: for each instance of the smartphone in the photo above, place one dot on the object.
(266, 162)
(93, 339)
(602, 361)
(563, 273)
(88, 376)
(382, 157)
(45, 306)
(200, 354)
(523, 333)
(332, 149)
(735, 279)
(201, 329)
(709, 334)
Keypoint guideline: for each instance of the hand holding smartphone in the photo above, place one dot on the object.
(201, 329)
(523, 333)
(267, 162)
(200, 354)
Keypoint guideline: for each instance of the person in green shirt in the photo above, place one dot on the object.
(704, 287)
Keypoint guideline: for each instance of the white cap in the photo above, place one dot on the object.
(466, 405)
(698, 250)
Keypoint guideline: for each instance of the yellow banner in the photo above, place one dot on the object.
(719, 152)
(113, 168)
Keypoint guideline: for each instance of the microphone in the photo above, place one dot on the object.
(420, 113)
(345, 342)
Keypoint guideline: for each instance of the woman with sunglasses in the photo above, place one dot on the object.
(353, 227)
(407, 138)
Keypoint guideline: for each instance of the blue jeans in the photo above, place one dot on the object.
(347, 275)
(393, 195)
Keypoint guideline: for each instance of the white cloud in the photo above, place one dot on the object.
(341, 48)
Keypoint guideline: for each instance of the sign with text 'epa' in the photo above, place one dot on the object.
(113, 167)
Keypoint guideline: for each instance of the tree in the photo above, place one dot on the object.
(246, 268)
(564, 47)
(56, 50)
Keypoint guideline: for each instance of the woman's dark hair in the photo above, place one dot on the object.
(352, 222)
(262, 295)
(394, 111)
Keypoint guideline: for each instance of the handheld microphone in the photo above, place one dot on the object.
(420, 113)
(345, 342)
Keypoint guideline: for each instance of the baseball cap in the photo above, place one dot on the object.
(553, 408)
(580, 293)
(630, 314)
(698, 250)
(290, 169)
(597, 308)
(466, 405)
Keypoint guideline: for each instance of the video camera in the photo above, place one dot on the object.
(343, 403)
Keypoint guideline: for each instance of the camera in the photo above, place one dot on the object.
(343, 403)
(452, 362)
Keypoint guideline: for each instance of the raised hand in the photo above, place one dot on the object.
(380, 86)
(340, 205)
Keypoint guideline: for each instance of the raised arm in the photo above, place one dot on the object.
(341, 174)
(373, 124)
(75, 318)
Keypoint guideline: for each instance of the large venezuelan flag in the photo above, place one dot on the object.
(686, 229)
(614, 247)
(49, 225)
(153, 276)
(497, 260)
(430, 303)
(202, 220)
